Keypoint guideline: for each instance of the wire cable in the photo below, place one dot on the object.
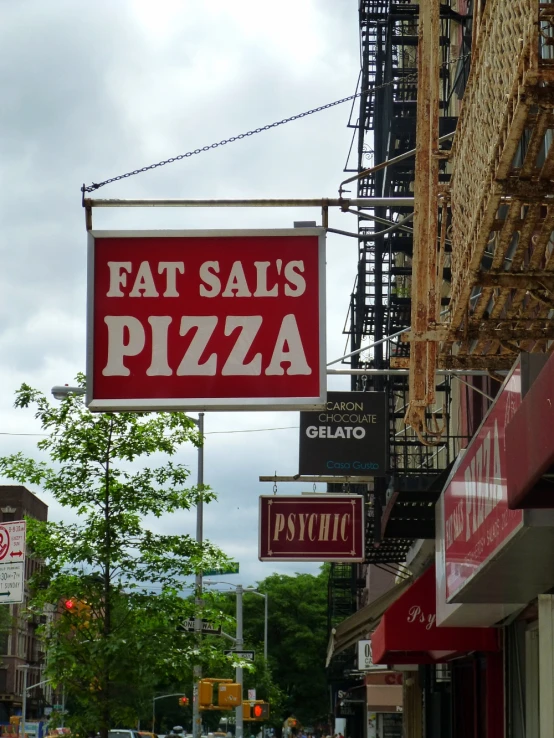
(97, 185)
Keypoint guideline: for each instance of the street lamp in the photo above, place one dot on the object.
(161, 697)
(60, 392)
(266, 598)
(25, 669)
(239, 591)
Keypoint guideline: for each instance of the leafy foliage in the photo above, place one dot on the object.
(295, 680)
(119, 636)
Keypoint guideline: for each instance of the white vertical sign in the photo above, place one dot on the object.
(12, 562)
(365, 658)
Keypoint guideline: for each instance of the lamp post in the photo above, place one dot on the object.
(266, 607)
(161, 697)
(197, 671)
(25, 669)
(239, 642)
(60, 392)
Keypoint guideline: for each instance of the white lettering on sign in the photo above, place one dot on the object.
(483, 490)
(416, 615)
(144, 284)
(311, 526)
(322, 431)
(127, 337)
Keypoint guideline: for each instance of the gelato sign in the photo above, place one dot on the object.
(348, 438)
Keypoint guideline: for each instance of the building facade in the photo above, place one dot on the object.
(20, 645)
(465, 516)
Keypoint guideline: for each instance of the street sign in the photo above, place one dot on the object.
(11, 583)
(232, 568)
(349, 438)
(12, 541)
(219, 320)
(209, 628)
(12, 562)
(365, 658)
(251, 694)
(312, 528)
(246, 655)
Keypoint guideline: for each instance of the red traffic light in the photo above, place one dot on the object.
(183, 701)
(69, 604)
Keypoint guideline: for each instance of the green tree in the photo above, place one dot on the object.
(297, 643)
(114, 585)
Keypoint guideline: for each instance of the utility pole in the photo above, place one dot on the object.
(238, 675)
(25, 669)
(197, 672)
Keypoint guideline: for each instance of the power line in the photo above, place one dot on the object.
(252, 430)
(210, 433)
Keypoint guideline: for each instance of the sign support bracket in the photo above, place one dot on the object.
(317, 480)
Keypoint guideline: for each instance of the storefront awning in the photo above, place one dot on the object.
(363, 621)
(408, 633)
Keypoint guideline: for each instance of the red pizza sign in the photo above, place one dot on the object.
(223, 320)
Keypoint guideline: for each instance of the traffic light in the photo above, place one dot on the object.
(260, 711)
(255, 711)
(229, 695)
(183, 701)
(79, 611)
(205, 693)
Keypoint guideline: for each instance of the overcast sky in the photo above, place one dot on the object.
(92, 90)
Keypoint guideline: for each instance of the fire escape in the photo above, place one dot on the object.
(497, 211)
(402, 506)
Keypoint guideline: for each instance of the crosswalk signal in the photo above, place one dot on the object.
(261, 711)
(205, 693)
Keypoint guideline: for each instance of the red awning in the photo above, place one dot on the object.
(408, 634)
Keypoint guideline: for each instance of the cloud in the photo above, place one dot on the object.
(94, 90)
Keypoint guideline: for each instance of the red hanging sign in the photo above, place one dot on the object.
(312, 528)
(223, 320)
(477, 520)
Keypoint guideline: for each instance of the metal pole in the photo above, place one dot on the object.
(197, 672)
(238, 675)
(154, 715)
(265, 627)
(405, 372)
(24, 703)
(293, 202)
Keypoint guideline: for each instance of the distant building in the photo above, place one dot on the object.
(20, 645)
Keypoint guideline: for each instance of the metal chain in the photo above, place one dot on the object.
(410, 78)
